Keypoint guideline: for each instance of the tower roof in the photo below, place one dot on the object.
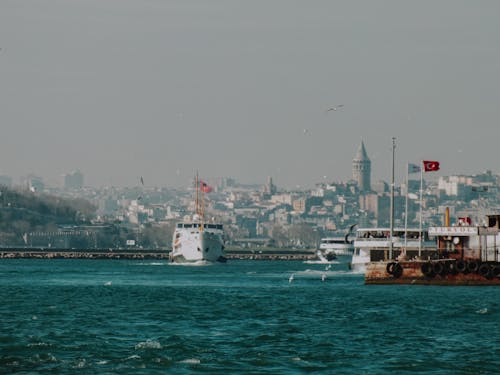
(361, 155)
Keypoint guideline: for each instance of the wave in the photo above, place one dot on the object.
(321, 262)
(148, 344)
(80, 363)
(133, 356)
(151, 264)
(193, 264)
(191, 361)
(316, 274)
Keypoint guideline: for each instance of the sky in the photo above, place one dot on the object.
(240, 88)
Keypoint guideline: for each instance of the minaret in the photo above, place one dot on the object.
(361, 169)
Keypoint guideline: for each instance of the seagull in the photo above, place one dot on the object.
(291, 278)
(306, 131)
(335, 108)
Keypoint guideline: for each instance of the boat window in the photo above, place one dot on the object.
(179, 225)
(218, 226)
(412, 235)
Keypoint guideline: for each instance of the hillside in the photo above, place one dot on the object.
(23, 212)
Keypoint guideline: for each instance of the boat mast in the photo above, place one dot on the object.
(202, 207)
(197, 204)
(391, 220)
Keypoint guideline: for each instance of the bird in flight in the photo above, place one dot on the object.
(335, 108)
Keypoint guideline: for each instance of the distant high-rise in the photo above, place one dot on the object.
(73, 180)
(270, 188)
(361, 169)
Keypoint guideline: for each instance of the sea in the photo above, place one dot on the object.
(69, 316)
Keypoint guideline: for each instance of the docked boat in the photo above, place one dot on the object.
(331, 247)
(196, 240)
(465, 255)
(373, 245)
(325, 259)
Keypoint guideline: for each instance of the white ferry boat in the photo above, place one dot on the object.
(332, 247)
(373, 244)
(197, 240)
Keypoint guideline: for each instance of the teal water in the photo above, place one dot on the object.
(243, 317)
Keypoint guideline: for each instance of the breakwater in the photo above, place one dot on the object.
(46, 253)
(271, 254)
(82, 254)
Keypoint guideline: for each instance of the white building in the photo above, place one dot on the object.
(454, 186)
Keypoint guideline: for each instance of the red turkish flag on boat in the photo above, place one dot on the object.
(430, 166)
(205, 187)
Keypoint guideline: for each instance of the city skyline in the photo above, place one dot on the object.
(31, 180)
(126, 89)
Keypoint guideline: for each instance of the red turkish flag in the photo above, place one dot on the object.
(431, 166)
(205, 187)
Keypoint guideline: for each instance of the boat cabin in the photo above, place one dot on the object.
(469, 242)
(383, 234)
(375, 243)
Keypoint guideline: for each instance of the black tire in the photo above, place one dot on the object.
(390, 268)
(427, 269)
(450, 267)
(438, 268)
(397, 270)
(485, 270)
(473, 266)
(461, 266)
(495, 271)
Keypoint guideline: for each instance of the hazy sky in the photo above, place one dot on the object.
(160, 88)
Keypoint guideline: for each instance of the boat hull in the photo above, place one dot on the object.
(357, 267)
(199, 246)
(429, 273)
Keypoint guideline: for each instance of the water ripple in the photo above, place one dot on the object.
(243, 317)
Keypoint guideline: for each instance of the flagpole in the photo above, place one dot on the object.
(392, 202)
(421, 203)
(406, 204)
